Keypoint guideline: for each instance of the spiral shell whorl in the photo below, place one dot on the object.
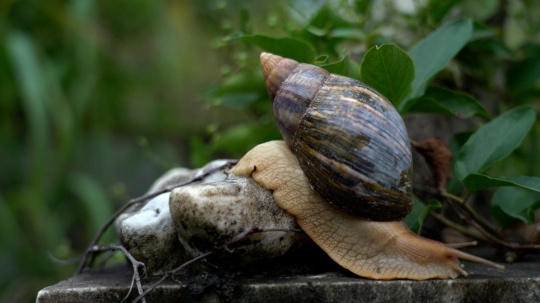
(292, 87)
(349, 140)
(275, 70)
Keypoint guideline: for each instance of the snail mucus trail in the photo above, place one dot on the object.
(345, 144)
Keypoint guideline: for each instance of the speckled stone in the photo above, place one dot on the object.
(206, 214)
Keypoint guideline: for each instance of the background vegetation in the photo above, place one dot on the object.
(98, 98)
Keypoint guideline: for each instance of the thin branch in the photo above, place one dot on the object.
(59, 261)
(467, 207)
(512, 245)
(468, 214)
(134, 263)
(199, 177)
(457, 227)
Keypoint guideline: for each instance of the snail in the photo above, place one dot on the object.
(344, 171)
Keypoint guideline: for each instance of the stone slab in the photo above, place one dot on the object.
(520, 282)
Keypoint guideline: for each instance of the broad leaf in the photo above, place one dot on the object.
(482, 31)
(437, 9)
(479, 9)
(324, 21)
(416, 217)
(438, 100)
(389, 70)
(475, 182)
(523, 77)
(303, 12)
(285, 47)
(239, 91)
(455, 144)
(236, 139)
(349, 33)
(433, 53)
(494, 141)
(509, 204)
(345, 67)
(9, 227)
(92, 196)
(31, 81)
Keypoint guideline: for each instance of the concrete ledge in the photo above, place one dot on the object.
(520, 282)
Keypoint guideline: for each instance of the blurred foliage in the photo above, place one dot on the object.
(98, 98)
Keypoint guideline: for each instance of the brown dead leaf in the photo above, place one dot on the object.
(438, 157)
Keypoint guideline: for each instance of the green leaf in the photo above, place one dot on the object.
(475, 182)
(509, 204)
(416, 217)
(432, 54)
(320, 60)
(323, 22)
(349, 33)
(31, 83)
(92, 197)
(389, 70)
(9, 230)
(303, 12)
(235, 140)
(285, 47)
(480, 9)
(523, 77)
(345, 67)
(439, 100)
(437, 9)
(199, 154)
(455, 144)
(494, 141)
(239, 91)
(482, 31)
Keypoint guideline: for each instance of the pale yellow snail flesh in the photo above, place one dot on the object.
(377, 250)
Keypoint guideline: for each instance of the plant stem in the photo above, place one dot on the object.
(467, 207)
(490, 236)
(458, 227)
(511, 245)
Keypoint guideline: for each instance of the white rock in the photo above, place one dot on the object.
(150, 237)
(147, 230)
(205, 214)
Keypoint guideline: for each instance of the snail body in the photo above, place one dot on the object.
(345, 144)
(379, 250)
(350, 141)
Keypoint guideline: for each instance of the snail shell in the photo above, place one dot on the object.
(349, 140)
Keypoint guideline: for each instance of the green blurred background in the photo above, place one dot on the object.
(98, 98)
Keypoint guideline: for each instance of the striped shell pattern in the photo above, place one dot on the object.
(350, 141)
